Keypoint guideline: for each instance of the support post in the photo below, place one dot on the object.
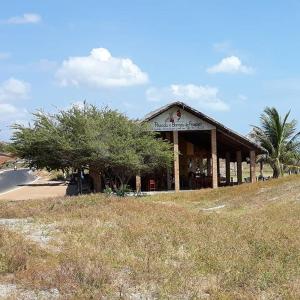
(227, 168)
(214, 158)
(138, 183)
(239, 171)
(169, 177)
(96, 177)
(176, 161)
(252, 166)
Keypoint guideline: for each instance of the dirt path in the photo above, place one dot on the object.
(39, 189)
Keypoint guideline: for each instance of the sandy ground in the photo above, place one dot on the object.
(5, 158)
(39, 233)
(12, 291)
(39, 189)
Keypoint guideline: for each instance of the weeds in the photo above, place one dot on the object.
(164, 246)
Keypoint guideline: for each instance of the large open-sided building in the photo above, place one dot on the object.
(200, 144)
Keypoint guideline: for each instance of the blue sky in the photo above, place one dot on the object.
(228, 59)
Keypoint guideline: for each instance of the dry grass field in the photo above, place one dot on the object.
(232, 243)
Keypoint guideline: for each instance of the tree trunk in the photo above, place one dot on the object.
(96, 178)
(261, 164)
(123, 179)
(276, 169)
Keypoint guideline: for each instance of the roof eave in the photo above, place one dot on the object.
(210, 120)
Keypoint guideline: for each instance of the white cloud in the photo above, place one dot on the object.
(203, 97)
(231, 64)
(14, 89)
(100, 69)
(10, 113)
(6, 108)
(27, 18)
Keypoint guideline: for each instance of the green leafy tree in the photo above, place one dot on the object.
(41, 144)
(2, 147)
(88, 137)
(133, 149)
(279, 137)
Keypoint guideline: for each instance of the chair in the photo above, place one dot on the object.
(151, 185)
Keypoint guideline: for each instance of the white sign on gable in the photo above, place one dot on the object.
(177, 119)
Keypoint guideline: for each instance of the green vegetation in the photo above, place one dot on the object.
(166, 246)
(102, 140)
(4, 147)
(279, 138)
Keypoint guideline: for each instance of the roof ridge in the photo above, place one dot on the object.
(199, 114)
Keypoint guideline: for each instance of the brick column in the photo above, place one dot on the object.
(252, 166)
(214, 158)
(239, 171)
(227, 168)
(176, 161)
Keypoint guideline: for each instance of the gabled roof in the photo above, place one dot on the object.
(220, 127)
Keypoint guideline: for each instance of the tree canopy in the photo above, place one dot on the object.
(2, 147)
(279, 137)
(89, 137)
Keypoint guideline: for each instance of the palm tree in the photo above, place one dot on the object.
(278, 136)
(293, 164)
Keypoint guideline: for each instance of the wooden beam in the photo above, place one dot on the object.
(235, 139)
(214, 158)
(252, 166)
(227, 168)
(176, 161)
(239, 167)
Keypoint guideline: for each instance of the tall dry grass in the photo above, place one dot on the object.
(167, 247)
